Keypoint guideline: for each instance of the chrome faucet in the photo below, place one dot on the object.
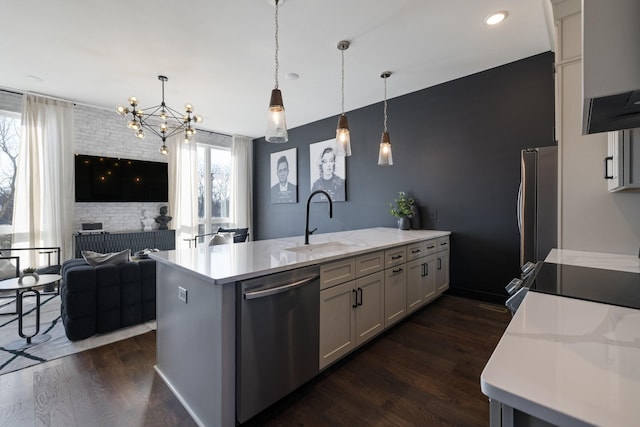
(307, 232)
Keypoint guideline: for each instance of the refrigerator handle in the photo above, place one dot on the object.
(519, 208)
(606, 167)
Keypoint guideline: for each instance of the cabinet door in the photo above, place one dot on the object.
(429, 279)
(370, 309)
(395, 294)
(442, 272)
(337, 322)
(415, 273)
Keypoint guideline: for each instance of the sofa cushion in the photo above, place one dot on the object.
(96, 258)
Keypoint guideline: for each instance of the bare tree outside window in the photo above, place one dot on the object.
(214, 187)
(9, 143)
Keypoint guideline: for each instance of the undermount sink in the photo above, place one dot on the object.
(320, 247)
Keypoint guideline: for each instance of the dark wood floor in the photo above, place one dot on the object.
(424, 372)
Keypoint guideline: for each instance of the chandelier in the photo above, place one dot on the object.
(160, 119)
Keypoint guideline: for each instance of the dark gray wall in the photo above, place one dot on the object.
(456, 149)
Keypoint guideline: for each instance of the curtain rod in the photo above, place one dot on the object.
(13, 91)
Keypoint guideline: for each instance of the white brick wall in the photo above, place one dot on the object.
(100, 132)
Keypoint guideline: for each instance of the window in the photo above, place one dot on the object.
(9, 143)
(214, 187)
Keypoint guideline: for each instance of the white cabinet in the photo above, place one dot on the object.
(442, 264)
(622, 164)
(395, 285)
(352, 312)
(337, 322)
(395, 291)
(361, 296)
(369, 308)
(421, 282)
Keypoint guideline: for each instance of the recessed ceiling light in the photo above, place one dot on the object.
(292, 76)
(496, 18)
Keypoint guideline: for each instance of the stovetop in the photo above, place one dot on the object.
(593, 284)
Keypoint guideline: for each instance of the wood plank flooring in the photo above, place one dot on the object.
(423, 372)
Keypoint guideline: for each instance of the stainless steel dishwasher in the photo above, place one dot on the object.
(277, 344)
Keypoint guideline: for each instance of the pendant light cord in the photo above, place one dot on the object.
(277, 45)
(342, 89)
(385, 104)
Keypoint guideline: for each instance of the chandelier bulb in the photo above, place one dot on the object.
(133, 101)
(164, 150)
(163, 128)
(140, 134)
(122, 110)
(188, 108)
(134, 125)
(163, 115)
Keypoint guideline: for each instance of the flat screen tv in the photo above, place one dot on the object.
(107, 179)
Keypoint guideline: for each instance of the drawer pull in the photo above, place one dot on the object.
(396, 257)
(396, 271)
(416, 251)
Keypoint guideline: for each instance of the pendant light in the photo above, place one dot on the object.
(343, 139)
(385, 158)
(276, 124)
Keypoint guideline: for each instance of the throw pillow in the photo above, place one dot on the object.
(7, 269)
(96, 258)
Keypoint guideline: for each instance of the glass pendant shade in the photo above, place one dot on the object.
(343, 139)
(385, 157)
(276, 123)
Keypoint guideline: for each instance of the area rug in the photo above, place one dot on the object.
(50, 323)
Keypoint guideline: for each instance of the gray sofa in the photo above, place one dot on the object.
(106, 297)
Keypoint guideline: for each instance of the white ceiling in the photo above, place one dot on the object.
(219, 55)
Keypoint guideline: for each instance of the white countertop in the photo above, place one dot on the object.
(569, 362)
(232, 262)
(630, 263)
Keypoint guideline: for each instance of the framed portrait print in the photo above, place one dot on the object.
(327, 171)
(284, 176)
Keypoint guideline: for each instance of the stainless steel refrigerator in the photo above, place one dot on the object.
(538, 203)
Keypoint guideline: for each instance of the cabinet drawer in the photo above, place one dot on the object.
(337, 272)
(416, 250)
(430, 246)
(443, 244)
(369, 263)
(395, 256)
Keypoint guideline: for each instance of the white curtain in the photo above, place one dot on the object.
(242, 182)
(183, 189)
(44, 205)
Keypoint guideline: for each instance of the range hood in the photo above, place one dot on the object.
(611, 65)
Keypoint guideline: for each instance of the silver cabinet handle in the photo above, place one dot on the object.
(279, 289)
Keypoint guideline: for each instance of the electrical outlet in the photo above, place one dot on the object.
(182, 294)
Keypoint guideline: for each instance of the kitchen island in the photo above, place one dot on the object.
(566, 361)
(196, 306)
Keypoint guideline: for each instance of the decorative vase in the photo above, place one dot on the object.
(34, 275)
(404, 223)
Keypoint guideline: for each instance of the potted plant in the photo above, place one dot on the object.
(401, 208)
(29, 272)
